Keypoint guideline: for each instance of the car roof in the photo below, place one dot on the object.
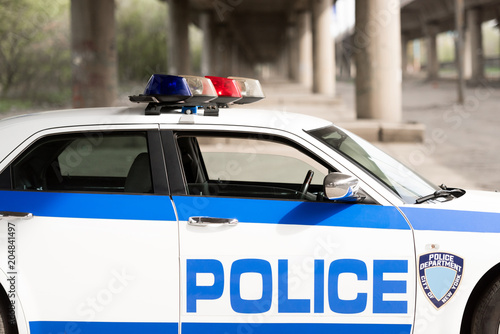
(16, 129)
(136, 115)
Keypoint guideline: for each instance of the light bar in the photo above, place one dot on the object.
(202, 89)
(226, 89)
(167, 88)
(169, 92)
(251, 90)
(180, 89)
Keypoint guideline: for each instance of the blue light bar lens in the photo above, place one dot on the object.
(167, 85)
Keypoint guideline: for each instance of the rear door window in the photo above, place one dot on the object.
(97, 162)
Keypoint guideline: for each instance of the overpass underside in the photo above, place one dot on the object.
(425, 19)
(281, 38)
(272, 38)
(287, 39)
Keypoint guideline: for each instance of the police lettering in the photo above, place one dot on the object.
(326, 282)
(441, 260)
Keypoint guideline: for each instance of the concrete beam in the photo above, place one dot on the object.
(94, 64)
(415, 14)
(379, 131)
(262, 34)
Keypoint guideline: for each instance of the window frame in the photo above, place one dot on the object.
(177, 180)
(154, 144)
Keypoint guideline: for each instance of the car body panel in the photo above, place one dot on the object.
(300, 246)
(105, 262)
(95, 258)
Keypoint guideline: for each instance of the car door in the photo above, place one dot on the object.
(94, 234)
(258, 254)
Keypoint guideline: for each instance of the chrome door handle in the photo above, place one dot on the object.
(6, 215)
(205, 221)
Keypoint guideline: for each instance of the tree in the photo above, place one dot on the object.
(141, 39)
(34, 47)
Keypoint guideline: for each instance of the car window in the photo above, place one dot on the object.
(248, 167)
(400, 179)
(97, 162)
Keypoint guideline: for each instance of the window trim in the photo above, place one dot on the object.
(159, 173)
(6, 178)
(178, 184)
(154, 144)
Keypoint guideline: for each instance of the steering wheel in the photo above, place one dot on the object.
(306, 184)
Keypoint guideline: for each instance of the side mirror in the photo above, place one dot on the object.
(338, 186)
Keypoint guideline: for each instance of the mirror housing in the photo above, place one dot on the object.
(338, 186)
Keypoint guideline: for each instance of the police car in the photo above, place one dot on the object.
(180, 215)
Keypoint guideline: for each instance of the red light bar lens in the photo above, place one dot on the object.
(226, 89)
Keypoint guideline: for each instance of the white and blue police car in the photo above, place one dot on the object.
(180, 215)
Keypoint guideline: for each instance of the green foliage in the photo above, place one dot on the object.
(34, 49)
(141, 39)
(142, 32)
(491, 39)
(9, 104)
(446, 47)
(195, 48)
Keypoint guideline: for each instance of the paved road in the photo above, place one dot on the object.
(462, 143)
(463, 138)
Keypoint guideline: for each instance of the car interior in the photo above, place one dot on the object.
(199, 183)
(44, 167)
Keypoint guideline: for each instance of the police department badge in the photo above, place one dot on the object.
(440, 276)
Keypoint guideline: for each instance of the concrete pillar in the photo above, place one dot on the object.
(283, 61)
(228, 54)
(467, 57)
(378, 61)
(345, 58)
(474, 58)
(223, 52)
(459, 48)
(305, 48)
(218, 51)
(404, 56)
(235, 59)
(417, 56)
(207, 55)
(93, 46)
(432, 54)
(293, 60)
(179, 60)
(246, 68)
(323, 48)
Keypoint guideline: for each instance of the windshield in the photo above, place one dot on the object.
(399, 178)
